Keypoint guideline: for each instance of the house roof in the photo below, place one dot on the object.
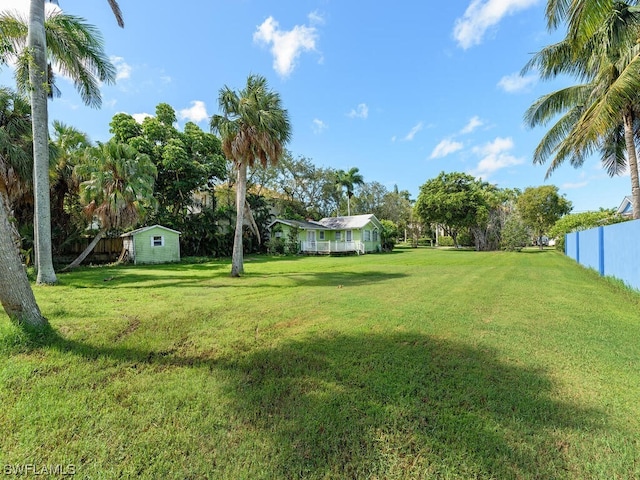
(347, 223)
(332, 223)
(305, 225)
(626, 207)
(144, 229)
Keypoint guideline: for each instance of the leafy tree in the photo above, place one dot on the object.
(81, 56)
(515, 234)
(541, 207)
(388, 235)
(117, 188)
(253, 126)
(189, 164)
(452, 199)
(348, 180)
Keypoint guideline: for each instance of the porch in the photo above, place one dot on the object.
(328, 247)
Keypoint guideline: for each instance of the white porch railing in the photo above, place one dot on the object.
(332, 247)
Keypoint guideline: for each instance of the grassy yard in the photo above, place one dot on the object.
(417, 364)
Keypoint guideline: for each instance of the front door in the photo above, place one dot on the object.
(311, 237)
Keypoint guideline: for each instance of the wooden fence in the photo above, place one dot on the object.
(107, 250)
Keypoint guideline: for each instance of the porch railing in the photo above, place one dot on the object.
(332, 247)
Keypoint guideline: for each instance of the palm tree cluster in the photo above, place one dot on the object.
(600, 114)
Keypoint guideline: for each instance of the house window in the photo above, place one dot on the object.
(367, 235)
(321, 234)
(375, 234)
(278, 234)
(338, 236)
(157, 241)
(349, 236)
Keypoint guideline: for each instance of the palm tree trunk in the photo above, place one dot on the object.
(633, 161)
(237, 261)
(36, 42)
(16, 295)
(87, 251)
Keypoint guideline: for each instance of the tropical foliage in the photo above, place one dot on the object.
(600, 114)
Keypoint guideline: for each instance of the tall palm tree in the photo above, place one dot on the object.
(38, 79)
(16, 295)
(349, 180)
(117, 189)
(601, 113)
(253, 127)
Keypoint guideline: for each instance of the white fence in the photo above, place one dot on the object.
(332, 247)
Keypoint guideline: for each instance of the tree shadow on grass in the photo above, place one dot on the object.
(217, 279)
(380, 405)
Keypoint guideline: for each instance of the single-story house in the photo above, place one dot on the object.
(353, 234)
(154, 244)
(626, 207)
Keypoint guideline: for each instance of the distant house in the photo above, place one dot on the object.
(354, 234)
(154, 244)
(626, 207)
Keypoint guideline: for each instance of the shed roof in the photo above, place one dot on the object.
(144, 229)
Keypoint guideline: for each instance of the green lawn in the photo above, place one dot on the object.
(417, 364)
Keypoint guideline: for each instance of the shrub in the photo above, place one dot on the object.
(445, 241)
(515, 234)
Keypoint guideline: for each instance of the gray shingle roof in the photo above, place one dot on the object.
(346, 223)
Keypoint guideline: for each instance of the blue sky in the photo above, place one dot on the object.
(400, 90)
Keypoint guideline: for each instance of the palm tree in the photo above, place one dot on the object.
(117, 189)
(38, 79)
(601, 113)
(253, 126)
(70, 145)
(348, 180)
(16, 295)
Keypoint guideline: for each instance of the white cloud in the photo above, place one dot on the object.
(482, 15)
(319, 126)
(286, 46)
(412, 133)
(123, 69)
(316, 18)
(139, 117)
(446, 147)
(361, 111)
(516, 83)
(495, 156)
(196, 113)
(473, 123)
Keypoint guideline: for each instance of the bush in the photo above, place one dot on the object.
(515, 234)
(389, 235)
(445, 241)
(275, 246)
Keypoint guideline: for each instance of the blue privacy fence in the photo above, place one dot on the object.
(612, 250)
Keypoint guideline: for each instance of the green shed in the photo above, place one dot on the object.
(154, 244)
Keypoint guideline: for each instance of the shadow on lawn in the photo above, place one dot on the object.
(217, 279)
(382, 405)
